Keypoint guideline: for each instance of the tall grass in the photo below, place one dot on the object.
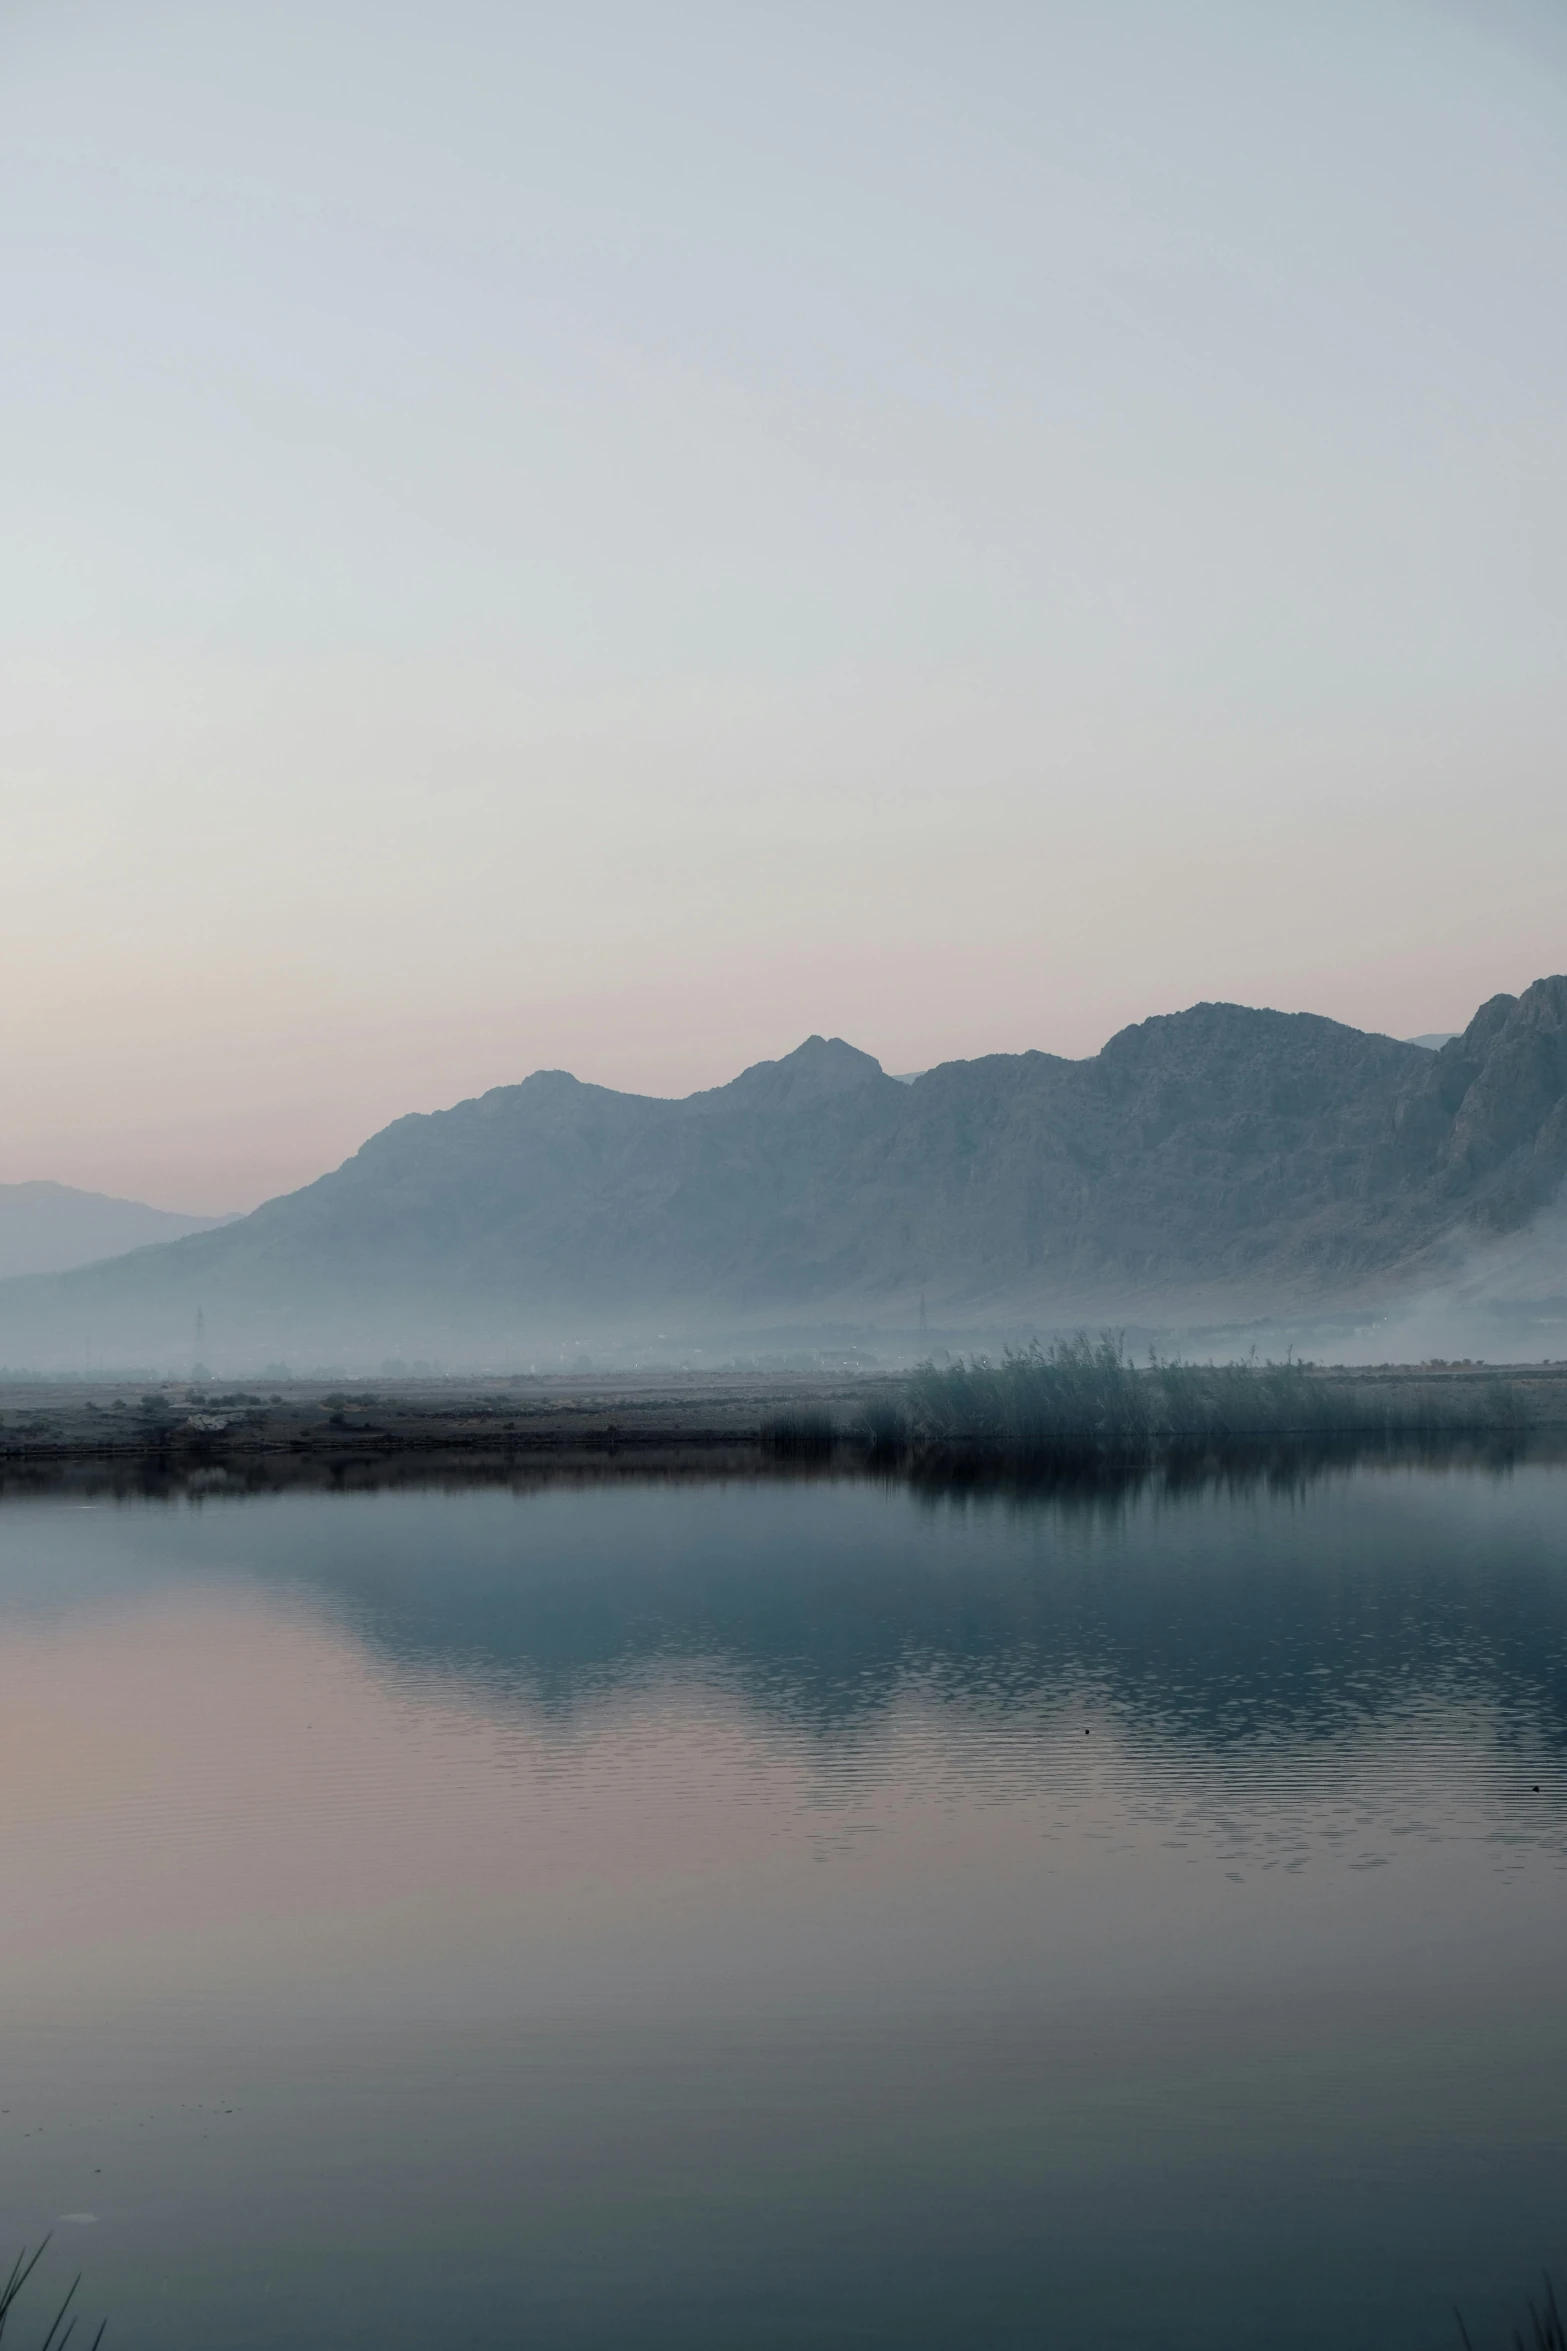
(1546, 2330)
(64, 2325)
(806, 1432)
(1088, 1392)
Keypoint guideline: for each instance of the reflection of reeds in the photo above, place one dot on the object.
(21, 2270)
(806, 1430)
(1087, 1391)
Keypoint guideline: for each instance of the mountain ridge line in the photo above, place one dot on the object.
(1219, 1162)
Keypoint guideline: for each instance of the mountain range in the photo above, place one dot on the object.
(1207, 1169)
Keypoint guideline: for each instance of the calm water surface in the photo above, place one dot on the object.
(791, 1913)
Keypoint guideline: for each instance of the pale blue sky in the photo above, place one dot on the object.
(617, 536)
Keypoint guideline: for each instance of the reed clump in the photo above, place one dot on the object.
(806, 1432)
(1087, 1392)
(64, 2325)
(882, 1429)
(1546, 2329)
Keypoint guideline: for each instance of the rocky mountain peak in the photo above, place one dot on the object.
(814, 1071)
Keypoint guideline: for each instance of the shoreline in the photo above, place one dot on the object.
(504, 1416)
(518, 1419)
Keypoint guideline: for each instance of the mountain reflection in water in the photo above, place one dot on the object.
(1276, 1591)
(995, 1905)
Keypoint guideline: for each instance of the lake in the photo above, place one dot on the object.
(797, 1910)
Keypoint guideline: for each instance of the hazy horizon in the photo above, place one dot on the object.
(614, 540)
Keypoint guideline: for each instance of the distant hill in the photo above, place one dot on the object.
(50, 1228)
(1207, 1165)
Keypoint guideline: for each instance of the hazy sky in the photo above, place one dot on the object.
(615, 536)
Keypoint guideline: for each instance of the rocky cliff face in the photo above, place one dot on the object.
(1495, 1109)
(1211, 1161)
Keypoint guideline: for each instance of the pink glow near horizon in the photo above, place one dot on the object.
(546, 545)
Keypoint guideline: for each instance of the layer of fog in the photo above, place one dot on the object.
(53, 1228)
